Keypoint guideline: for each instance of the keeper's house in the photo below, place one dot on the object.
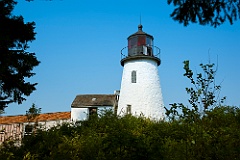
(87, 104)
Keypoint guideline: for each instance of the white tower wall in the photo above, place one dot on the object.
(144, 97)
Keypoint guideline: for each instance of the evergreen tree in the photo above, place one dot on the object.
(16, 64)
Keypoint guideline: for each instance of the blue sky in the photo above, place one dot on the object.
(79, 43)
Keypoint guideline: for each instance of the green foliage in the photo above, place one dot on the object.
(1, 112)
(207, 127)
(204, 94)
(212, 12)
(215, 136)
(33, 112)
(16, 64)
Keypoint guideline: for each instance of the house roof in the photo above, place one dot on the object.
(89, 100)
(41, 118)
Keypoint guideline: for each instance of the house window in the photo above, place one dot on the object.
(134, 76)
(128, 109)
(28, 129)
(92, 111)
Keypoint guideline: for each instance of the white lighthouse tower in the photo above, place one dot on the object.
(140, 92)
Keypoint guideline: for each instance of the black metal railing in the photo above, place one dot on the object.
(146, 50)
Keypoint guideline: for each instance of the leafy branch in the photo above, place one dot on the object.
(203, 95)
(204, 12)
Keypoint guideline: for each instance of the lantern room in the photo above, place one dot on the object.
(140, 46)
(140, 43)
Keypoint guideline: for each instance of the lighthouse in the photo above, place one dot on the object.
(140, 93)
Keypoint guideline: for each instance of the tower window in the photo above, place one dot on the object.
(134, 77)
(128, 109)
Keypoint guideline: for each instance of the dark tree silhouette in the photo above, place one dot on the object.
(15, 63)
(205, 12)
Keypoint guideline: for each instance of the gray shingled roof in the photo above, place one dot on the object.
(94, 100)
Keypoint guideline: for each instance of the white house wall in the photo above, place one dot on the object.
(45, 125)
(81, 114)
(14, 131)
(101, 110)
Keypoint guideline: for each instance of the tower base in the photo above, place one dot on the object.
(140, 93)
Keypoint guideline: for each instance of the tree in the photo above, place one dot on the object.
(204, 95)
(16, 64)
(205, 12)
(203, 129)
(33, 112)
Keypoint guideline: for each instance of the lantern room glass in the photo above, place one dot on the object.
(140, 45)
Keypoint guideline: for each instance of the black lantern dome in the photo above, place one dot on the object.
(140, 45)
